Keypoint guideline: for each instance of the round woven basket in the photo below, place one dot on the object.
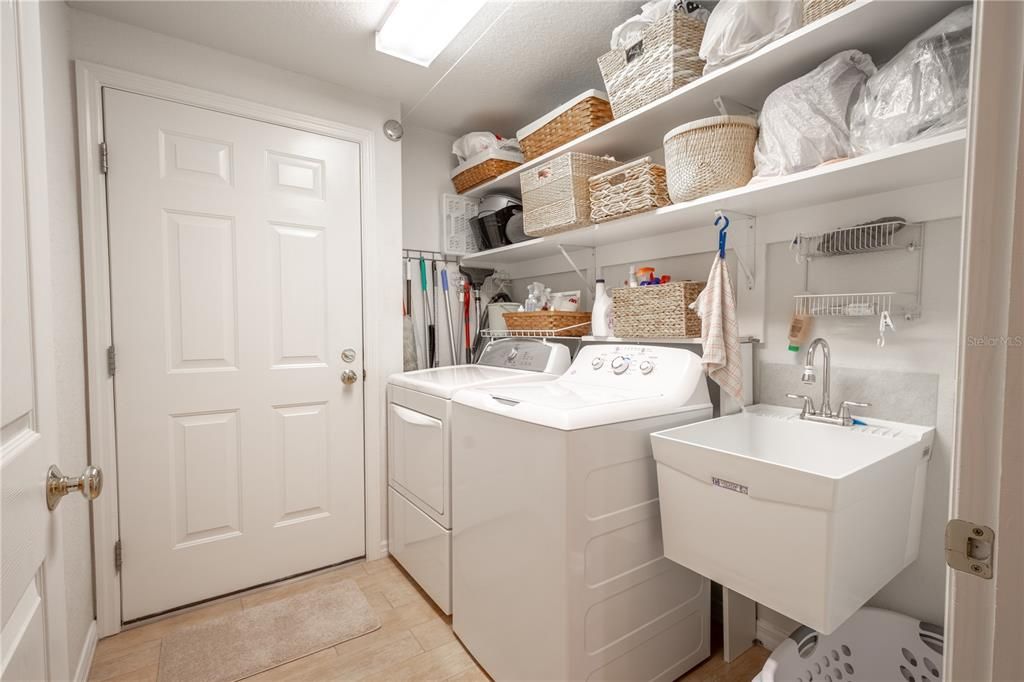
(709, 155)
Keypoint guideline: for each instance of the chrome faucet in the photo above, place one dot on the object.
(825, 413)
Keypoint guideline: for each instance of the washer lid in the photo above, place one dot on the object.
(444, 381)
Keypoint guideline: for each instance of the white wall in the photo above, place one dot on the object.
(100, 40)
(426, 164)
(65, 258)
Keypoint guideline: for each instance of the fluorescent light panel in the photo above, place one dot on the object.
(418, 30)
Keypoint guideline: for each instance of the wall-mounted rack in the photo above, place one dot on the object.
(435, 256)
(888, 235)
(536, 333)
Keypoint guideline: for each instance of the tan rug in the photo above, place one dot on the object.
(262, 637)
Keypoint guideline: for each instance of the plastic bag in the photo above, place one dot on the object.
(738, 27)
(804, 122)
(922, 91)
(631, 30)
(475, 143)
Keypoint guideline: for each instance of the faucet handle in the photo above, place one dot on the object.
(808, 403)
(844, 410)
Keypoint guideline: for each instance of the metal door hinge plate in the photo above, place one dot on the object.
(970, 547)
(104, 159)
(111, 360)
(117, 556)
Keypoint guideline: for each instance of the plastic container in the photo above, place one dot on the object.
(489, 228)
(873, 644)
(600, 320)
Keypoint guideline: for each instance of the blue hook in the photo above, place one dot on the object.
(721, 234)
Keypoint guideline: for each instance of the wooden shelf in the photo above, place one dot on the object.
(921, 162)
(877, 27)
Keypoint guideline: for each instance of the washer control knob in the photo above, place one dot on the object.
(597, 363)
(512, 354)
(620, 364)
(646, 367)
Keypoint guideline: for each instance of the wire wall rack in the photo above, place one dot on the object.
(889, 235)
(435, 256)
(574, 332)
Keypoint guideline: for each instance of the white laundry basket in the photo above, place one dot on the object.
(874, 645)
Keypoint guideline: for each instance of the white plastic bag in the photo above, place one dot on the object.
(474, 143)
(738, 27)
(804, 122)
(922, 91)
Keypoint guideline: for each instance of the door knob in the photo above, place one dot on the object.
(90, 484)
(349, 377)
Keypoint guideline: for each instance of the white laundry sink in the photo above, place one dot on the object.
(806, 518)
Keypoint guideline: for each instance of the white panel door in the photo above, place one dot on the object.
(33, 642)
(235, 287)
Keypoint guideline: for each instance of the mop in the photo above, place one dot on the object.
(428, 317)
(448, 312)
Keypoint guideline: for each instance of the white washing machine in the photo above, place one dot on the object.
(419, 451)
(557, 553)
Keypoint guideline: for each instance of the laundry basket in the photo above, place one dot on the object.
(709, 155)
(874, 645)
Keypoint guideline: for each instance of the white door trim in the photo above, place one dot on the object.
(91, 79)
(984, 617)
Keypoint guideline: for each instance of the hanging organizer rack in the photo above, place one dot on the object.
(435, 256)
(878, 237)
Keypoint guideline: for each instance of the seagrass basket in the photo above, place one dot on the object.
(548, 322)
(465, 180)
(665, 59)
(709, 155)
(636, 187)
(575, 118)
(556, 195)
(658, 311)
(816, 9)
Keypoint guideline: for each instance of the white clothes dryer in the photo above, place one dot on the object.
(558, 564)
(419, 451)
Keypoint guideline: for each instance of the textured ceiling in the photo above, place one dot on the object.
(511, 64)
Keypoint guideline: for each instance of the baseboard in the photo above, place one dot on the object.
(771, 637)
(85, 659)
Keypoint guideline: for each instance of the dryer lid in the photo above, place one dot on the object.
(443, 382)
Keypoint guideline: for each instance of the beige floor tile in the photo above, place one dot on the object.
(305, 668)
(371, 662)
(474, 674)
(438, 664)
(129, 661)
(378, 602)
(335, 575)
(433, 634)
(147, 674)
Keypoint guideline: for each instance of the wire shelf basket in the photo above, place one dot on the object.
(870, 304)
(570, 332)
(864, 238)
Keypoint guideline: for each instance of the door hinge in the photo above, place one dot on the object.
(104, 158)
(111, 360)
(364, 375)
(970, 547)
(117, 556)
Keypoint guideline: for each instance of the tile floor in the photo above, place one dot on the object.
(415, 641)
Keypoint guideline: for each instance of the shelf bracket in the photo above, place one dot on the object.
(749, 245)
(572, 263)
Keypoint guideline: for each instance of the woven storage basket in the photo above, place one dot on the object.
(565, 323)
(664, 60)
(556, 196)
(816, 9)
(481, 173)
(709, 155)
(657, 311)
(636, 187)
(577, 117)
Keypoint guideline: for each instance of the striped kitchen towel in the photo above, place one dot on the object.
(716, 307)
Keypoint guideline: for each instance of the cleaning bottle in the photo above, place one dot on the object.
(600, 322)
(799, 330)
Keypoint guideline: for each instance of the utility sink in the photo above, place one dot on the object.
(806, 518)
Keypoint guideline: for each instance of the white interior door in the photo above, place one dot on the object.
(33, 642)
(235, 290)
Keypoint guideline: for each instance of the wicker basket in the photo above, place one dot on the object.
(658, 311)
(816, 9)
(710, 155)
(664, 60)
(479, 169)
(545, 322)
(576, 117)
(556, 196)
(636, 187)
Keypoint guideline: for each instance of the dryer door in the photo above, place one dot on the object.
(418, 451)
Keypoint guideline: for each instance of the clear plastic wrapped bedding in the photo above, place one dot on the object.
(804, 122)
(922, 91)
(738, 27)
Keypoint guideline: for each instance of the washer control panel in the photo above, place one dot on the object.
(650, 369)
(531, 355)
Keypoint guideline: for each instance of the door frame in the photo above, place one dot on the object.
(90, 80)
(985, 618)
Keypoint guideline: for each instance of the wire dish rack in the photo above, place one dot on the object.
(857, 305)
(570, 332)
(864, 238)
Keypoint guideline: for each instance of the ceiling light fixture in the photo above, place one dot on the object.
(418, 30)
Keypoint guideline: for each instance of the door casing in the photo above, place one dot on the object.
(90, 80)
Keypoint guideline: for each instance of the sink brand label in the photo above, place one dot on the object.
(729, 485)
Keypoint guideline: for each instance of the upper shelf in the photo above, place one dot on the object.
(877, 27)
(906, 165)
